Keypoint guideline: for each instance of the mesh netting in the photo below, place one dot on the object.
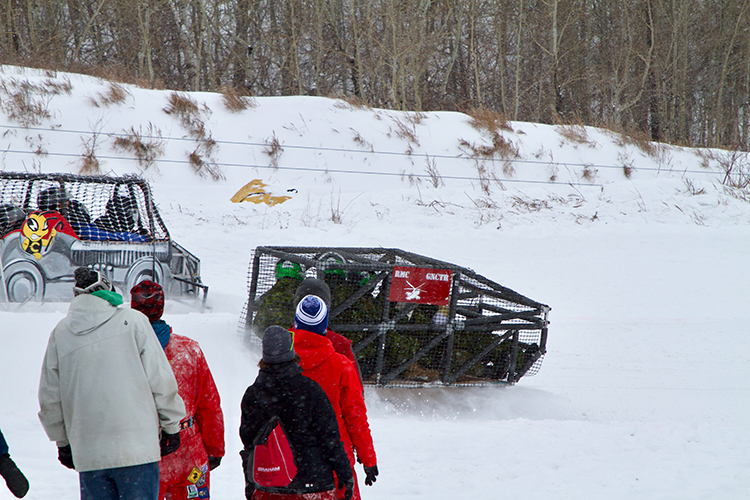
(485, 334)
(97, 208)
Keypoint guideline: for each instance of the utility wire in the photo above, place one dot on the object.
(343, 150)
(311, 169)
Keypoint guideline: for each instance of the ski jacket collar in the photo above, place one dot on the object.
(163, 332)
(113, 298)
(87, 312)
(314, 349)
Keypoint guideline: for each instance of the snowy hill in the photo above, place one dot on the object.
(639, 249)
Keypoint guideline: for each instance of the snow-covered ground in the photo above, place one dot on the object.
(645, 390)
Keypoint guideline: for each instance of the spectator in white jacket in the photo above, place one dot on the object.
(107, 393)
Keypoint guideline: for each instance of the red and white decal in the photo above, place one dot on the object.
(421, 285)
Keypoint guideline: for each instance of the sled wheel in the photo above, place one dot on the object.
(144, 269)
(24, 282)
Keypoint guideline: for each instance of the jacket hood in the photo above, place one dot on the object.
(313, 349)
(272, 386)
(87, 312)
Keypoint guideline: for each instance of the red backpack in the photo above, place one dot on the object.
(273, 457)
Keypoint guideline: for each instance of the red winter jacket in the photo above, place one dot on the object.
(205, 437)
(339, 379)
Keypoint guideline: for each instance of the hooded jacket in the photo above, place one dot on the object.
(339, 379)
(106, 387)
(309, 423)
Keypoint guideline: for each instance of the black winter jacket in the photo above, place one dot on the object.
(309, 422)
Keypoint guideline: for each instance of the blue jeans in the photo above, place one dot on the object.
(139, 482)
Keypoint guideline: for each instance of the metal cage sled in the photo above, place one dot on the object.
(412, 320)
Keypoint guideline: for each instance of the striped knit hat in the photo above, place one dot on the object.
(311, 315)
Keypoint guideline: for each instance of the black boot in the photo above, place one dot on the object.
(17, 482)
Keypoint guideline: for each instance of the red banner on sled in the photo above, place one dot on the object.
(421, 285)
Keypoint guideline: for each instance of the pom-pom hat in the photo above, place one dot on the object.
(312, 315)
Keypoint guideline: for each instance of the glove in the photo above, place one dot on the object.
(65, 456)
(371, 472)
(169, 442)
(213, 462)
(14, 478)
(348, 488)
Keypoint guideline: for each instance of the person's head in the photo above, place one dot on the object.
(278, 345)
(331, 262)
(313, 286)
(148, 298)
(54, 198)
(11, 217)
(311, 315)
(90, 281)
(123, 212)
(286, 269)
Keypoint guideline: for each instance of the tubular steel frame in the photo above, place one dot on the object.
(506, 321)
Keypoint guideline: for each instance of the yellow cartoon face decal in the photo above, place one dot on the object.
(38, 235)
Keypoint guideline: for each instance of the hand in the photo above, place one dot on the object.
(14, 478)
(213, 462)
(372, 473)
(169, 442)
(348, 488)
(65, 456)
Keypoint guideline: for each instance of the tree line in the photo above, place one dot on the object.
(669, 70)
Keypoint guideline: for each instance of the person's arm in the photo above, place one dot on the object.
(169, 404)
(354, 412)
(208, 410)
(252, 418)
(50, 398)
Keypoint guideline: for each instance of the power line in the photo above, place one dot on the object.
(346, 150)
(311, 169)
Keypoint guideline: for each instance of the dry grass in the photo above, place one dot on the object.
(530, 205)
(736, 167)
(274, 150)
(435, 178)
(589, 173)
(182, 106)
(361, 141)
(639, 139)
(692, 188)
(203, 165)
(350, 101)
(145, 147)
(190, 115)
(237, 100)
(627, 164)
(406, 127)
(488, 119)
(574, 133)
(115, 94)
(500, 147)
(88, 163)
(28, 104)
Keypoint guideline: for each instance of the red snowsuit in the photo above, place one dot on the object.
(339, 379)
(184, 473)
